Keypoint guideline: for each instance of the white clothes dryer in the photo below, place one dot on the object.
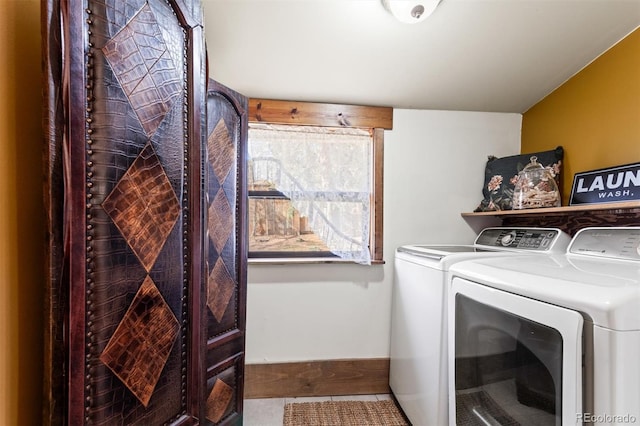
(418, 351)
(548, 340)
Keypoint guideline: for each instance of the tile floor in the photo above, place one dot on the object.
(270, 411)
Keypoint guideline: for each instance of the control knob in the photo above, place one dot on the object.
(507, 239)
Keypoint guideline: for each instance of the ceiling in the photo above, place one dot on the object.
(470, 55)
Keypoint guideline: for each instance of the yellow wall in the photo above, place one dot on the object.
(595, 115)
(21, 217)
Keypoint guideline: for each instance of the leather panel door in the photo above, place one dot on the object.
(226, 253)
(125, 189)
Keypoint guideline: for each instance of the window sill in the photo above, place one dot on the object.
(306, 260)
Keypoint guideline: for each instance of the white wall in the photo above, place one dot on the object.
(433, 171)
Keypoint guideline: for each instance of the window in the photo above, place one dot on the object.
(315, 181)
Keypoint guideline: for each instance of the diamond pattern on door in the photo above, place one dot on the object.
(221, 151)
(218, 400)
(141, 61)
(144, 206)
(220, 288)
(220, 223)
(142, 342)
(221, 156)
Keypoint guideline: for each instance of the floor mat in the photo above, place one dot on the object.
(343, 413)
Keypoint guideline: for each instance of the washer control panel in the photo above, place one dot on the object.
(611, 242)
(534, 239)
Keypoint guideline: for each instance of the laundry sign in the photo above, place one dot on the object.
(610, 185)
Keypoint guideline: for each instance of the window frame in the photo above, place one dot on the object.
(374, 118)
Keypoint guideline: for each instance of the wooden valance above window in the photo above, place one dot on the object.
(319, 114)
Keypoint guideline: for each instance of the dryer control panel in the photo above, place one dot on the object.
(613, 242)
(534, 239)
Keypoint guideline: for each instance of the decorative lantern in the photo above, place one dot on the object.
(536, 187)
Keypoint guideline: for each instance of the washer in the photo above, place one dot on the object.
(548, 340)
(418, 352)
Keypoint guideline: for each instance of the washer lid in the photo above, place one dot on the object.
(439, 251)
(497, 239)
(441, 257)
(606, 290)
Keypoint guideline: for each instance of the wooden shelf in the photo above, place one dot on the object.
(623, 206)
(568, 218)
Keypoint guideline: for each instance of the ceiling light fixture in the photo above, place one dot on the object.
(411, 11)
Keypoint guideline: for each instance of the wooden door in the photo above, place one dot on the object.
(130, 336)
(226, 253)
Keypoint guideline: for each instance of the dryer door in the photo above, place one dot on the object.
(517, 360)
